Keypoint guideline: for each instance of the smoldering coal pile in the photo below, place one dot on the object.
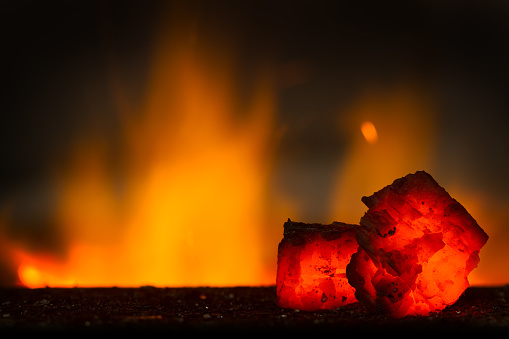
(416, 248)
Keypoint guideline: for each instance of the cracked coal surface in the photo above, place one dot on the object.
(235, 308)
(417, 246)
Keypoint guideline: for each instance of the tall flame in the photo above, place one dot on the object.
(188, 208)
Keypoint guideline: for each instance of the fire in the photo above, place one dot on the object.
(405, 116)
(188, 204)
(184, 201)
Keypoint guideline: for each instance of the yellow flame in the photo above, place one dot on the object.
(189, 207)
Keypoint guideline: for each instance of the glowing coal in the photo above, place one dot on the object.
(312, 261)
(414, 250)
(417, 246)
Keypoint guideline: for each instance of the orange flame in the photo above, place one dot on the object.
(405, 115)
(190, 205)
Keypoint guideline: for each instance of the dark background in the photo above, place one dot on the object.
(61, 59)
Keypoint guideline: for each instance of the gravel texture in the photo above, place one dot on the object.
(225, 309)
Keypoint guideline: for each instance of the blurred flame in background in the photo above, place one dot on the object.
(404, 117)
(189, 208)
(406, 120)
(192, 204)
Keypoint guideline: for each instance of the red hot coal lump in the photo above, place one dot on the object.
(417, 246)
(312, 261)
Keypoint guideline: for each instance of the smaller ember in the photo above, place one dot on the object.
(417, 246)
(312, 261)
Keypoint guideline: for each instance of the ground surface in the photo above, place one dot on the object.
(237, 308)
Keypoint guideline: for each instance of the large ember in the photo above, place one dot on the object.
(417, 246)
(312, 261)
(414, 250)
